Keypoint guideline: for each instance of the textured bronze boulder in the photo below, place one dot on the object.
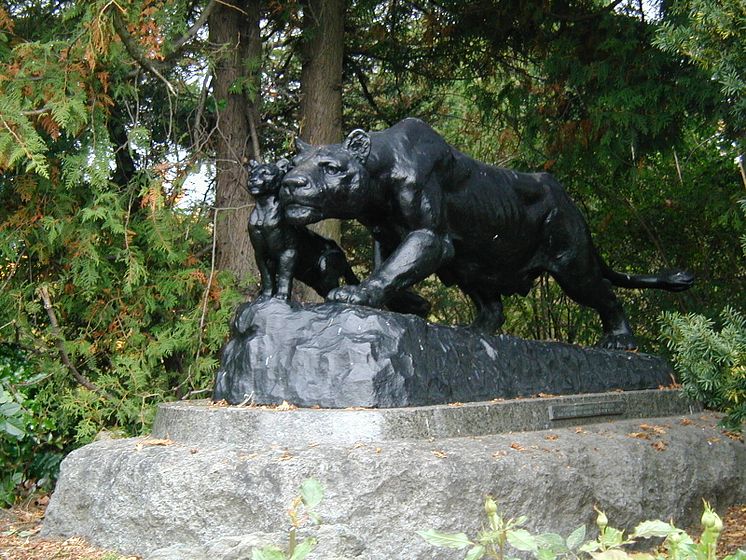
(336, 356)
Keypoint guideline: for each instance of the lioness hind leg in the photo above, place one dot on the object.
(490, 316)
(587, 286)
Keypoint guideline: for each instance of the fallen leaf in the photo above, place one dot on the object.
(517, 446)
(285, 406)
(440, 454)
(659, 445)
(653, 428)
(685, 421)
(153, 442)
(456, 404)
(639, 435)
(552, 437)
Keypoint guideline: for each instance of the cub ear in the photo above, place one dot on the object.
(358, 144)
(283, 165)
(302, 146)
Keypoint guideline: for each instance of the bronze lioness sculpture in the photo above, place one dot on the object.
(432, 209)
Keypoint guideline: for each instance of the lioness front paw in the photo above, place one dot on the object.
(359, 295)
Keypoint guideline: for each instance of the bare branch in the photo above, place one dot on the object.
(60, 343)
(134, 50)
(253, 133)
(177, 45)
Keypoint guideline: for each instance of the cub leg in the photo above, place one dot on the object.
(263, 262)
(285, 271)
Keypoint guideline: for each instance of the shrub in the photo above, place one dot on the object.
(30, 451)
(502, 535)
(711, 361)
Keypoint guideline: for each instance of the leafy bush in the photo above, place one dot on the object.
(503, 534)
(29, 451)
(711, 362)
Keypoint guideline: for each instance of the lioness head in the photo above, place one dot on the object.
(265, 178)
(327, 181)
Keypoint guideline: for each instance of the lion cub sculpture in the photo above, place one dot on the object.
(433, 210)
(284, 251)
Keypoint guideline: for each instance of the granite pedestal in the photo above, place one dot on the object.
(215, 481)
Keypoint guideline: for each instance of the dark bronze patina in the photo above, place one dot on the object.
(431, 209)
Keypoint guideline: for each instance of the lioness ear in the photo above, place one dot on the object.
(283, 165)
(358, 143)
(253, 163)
(302, 146)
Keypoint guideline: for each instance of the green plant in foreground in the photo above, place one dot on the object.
(311, 494)
(501, 534)
(711, 363)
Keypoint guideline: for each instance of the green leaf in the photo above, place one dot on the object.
(311, 492)
(552, 541)
(576, 538)
(611, 537)
(590, 547)
(304, 549)
(651, 529)
(11, 429)
(10, 408)
(449, 540)
(522, 540)
(475, 553)
(615, 554)
(267, 553)
(545, 554)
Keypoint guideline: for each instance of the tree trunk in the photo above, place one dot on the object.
(321, 87)
(234, 34)
(321, 74)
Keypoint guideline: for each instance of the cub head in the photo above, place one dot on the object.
(265, 178)
(328, 181)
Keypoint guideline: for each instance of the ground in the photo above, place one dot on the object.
(19, 541)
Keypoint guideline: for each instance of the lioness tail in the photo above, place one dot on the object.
(670, 280)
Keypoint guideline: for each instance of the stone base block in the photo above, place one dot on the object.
(205, 423)
(171, 500)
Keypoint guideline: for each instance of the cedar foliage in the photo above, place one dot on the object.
(109, 302)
